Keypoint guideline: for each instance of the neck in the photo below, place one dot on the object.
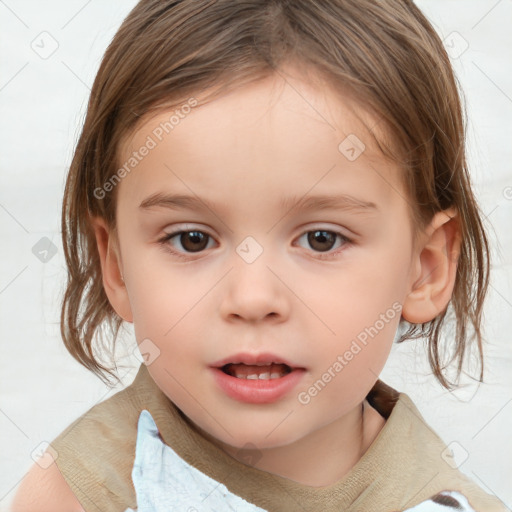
(330, 451)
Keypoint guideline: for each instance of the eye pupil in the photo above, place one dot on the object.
(194, 237)
(318, 239)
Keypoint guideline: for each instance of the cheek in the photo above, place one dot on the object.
(363, 308)
(380, 275)
(350, 363)
(169, 306)
(370, 286)
(158, 291)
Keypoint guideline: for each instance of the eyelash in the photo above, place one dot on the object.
(321, 255)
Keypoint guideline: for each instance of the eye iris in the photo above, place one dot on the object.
(194, 237)
(317, 238)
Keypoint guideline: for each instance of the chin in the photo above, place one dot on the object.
(257, 436)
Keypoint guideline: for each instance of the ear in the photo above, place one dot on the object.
(111, 269)
(435, 269)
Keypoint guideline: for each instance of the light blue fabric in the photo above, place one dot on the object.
(164, 482)
(459, 503)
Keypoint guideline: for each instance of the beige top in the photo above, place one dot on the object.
(401, 468)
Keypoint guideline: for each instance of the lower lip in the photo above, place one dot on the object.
(257, 391)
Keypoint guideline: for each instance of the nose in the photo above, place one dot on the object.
(253, 292)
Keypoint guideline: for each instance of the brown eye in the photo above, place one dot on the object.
(321, 240)
(190, 241)
(324, 241)
(193, 241)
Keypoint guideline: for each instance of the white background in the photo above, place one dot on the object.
(42, 104)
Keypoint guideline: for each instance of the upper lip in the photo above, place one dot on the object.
(254, 359)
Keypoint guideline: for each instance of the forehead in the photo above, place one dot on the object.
(317, 101)
(262, 135)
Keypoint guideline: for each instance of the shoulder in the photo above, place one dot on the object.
(45, 490)
(94, 458)
(95, 453)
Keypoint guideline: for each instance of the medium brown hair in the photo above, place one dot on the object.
(384, 52)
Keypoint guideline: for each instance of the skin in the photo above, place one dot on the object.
(245, 152)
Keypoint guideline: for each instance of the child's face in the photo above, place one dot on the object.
(257, 283)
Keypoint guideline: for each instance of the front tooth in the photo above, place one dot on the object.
(265, 375)
(252, 376)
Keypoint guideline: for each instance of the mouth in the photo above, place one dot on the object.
(262, 371)
(257, 378)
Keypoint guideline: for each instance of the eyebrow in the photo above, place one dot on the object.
(319, 202)
(327, 202)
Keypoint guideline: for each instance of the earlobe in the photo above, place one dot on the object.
(111, 269)
(436, 269)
